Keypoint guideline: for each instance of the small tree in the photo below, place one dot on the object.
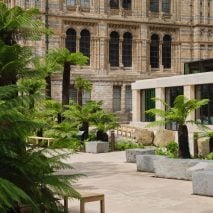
(179, 113)
(81, 85)
(65, 58)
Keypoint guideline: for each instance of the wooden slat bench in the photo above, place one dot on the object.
(87, 197)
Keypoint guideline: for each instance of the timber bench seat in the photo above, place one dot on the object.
(85, 198)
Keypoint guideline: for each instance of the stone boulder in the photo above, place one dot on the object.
(163, 137)
(203, 146)
(144, 136)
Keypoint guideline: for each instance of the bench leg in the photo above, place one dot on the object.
(65, 204)
(82, 207)
(102, 205)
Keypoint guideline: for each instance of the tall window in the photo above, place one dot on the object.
(70, 41)
(128, 99)
(71, 2)
(114, 49)
(126, 4)
(154, 5)
(154, 51)
(127, 50)
(116, 98)
(114, 4)
(205, 113)
(166, 51)
(85, 3)
(166, 4)
(147, 103)
(85, 43)
(37, 3)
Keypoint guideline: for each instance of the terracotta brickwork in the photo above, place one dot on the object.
(189, 23)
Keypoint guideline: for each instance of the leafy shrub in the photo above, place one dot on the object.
(124, 144)
(171, 150)
(209, 156)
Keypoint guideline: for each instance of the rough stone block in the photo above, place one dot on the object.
(131, 153)
(145, 163)
(203, 146)
(163, 137)
(97, 147)
(144, 136)
(202, 183)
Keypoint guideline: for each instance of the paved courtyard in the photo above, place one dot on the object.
(129, 191)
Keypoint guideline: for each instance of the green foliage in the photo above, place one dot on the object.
(28, 175)
(18, 22)
(209, 156)
(124, 144)
(171, 150)
(179, 113)
(63, 55)
(82, 84)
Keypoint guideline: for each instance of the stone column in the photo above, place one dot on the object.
(13, 3)
(189, 92)
(160, 56)
(120, 52)
(123, 98)
(102, 6)
(77, 42)
(92, 52)
(136, 117)
(159, 93)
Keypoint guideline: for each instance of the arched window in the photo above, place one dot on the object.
(70, 41)
(85, 43)
(154, 51)
(114, 4)
(126, 4)
(166, 4)
(166, 51)
(114, 49)
(127, 50)
(154, 5)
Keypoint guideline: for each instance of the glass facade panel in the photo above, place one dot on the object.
(146, 104)
(170, 94)
(198, 66)
(205, 113)
(116, 98)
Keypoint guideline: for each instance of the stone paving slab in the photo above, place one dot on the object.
(129, 191)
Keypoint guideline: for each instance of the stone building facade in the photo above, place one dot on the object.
(126, 40)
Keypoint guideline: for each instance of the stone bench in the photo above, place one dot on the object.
(97, 147)
(174, 168)
(145, 163)
(202, 183)
(131, 153)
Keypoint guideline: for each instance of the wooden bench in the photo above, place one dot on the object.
(37, 139)
(85, 198)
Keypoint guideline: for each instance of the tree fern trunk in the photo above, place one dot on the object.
(48, 86)
(183, 141)
(79, 97)
(66, 84)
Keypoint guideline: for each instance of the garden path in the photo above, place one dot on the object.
(129, 191)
